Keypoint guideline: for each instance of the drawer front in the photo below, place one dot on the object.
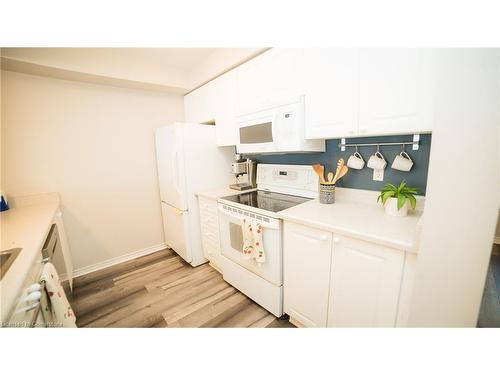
(209, 219)
(212, 228)
(210, 234)
(209, 226)
(208, 206)
(210, 250)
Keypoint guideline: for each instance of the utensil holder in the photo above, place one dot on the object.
(326, 193)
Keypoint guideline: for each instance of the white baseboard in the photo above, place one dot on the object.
(113, 261)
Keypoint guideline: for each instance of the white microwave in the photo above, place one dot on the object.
(276, 129)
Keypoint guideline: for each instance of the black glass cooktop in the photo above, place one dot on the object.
(266, 200)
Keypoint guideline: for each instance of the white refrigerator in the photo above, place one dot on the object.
(188, 162)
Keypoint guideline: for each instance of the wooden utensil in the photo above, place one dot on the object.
(342, 173)
(320, 171)
(340, 164)
(330, 177)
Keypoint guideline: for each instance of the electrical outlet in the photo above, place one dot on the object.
(378, 175)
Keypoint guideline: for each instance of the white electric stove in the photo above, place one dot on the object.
(278, 187)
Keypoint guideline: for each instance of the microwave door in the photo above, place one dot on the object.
(256, 135)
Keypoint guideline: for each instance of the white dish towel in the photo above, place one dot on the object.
(61, 309)
(253, 243)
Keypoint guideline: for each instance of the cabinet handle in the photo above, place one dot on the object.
(322, 237)
(336, 239)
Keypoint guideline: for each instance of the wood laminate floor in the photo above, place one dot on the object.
(489, 315)
(162, 290)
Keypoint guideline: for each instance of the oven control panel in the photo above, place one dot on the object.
(288, 179)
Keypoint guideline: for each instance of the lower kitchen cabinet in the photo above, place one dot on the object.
(338, 281)
(209, 226)
(365, 284)
(307, 258)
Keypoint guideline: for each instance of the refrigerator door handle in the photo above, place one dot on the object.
(176, 210)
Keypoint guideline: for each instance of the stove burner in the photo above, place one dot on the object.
(266, 200)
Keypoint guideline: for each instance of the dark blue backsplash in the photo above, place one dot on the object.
(363, 179)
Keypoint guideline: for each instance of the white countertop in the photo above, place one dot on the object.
(359, 220)
(25, 227)
(353, 214)
(219, 192)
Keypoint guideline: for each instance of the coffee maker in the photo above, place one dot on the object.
(245, 171)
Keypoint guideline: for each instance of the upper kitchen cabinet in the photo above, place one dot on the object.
(396, 91)
(276, 75)
(214, 103)
(331, 80)
(224, 102)
(362, 92)
(199, 105)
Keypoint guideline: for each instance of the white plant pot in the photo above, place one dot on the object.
(391, 208)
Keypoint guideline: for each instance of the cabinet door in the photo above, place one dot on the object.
(307, 256)
(331, 80)
(397, 90)
(190, 104)
(215, 102)
(365, 284)
(199, 105)
(286, 73)
(272, 77)
(252, 84)
(224, 97)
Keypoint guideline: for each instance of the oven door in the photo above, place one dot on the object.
(231, 241)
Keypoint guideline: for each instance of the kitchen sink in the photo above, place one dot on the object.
(7, 257)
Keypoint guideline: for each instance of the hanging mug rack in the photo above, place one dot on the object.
(415, 143)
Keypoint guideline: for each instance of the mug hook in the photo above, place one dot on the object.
(356, 148)
(402, 144)
(378, 148)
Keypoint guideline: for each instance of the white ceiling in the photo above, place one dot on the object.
(178, 58)
(181, 69)
(181, 58)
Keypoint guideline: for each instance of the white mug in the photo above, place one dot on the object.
(377, 161)
(402, 162)
(356, 161)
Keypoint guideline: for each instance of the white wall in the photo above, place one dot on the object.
(134, 64)
(95, 145)
(462, 192)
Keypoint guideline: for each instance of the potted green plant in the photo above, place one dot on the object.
(397, 198)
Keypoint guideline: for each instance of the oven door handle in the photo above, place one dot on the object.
(271, 225)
